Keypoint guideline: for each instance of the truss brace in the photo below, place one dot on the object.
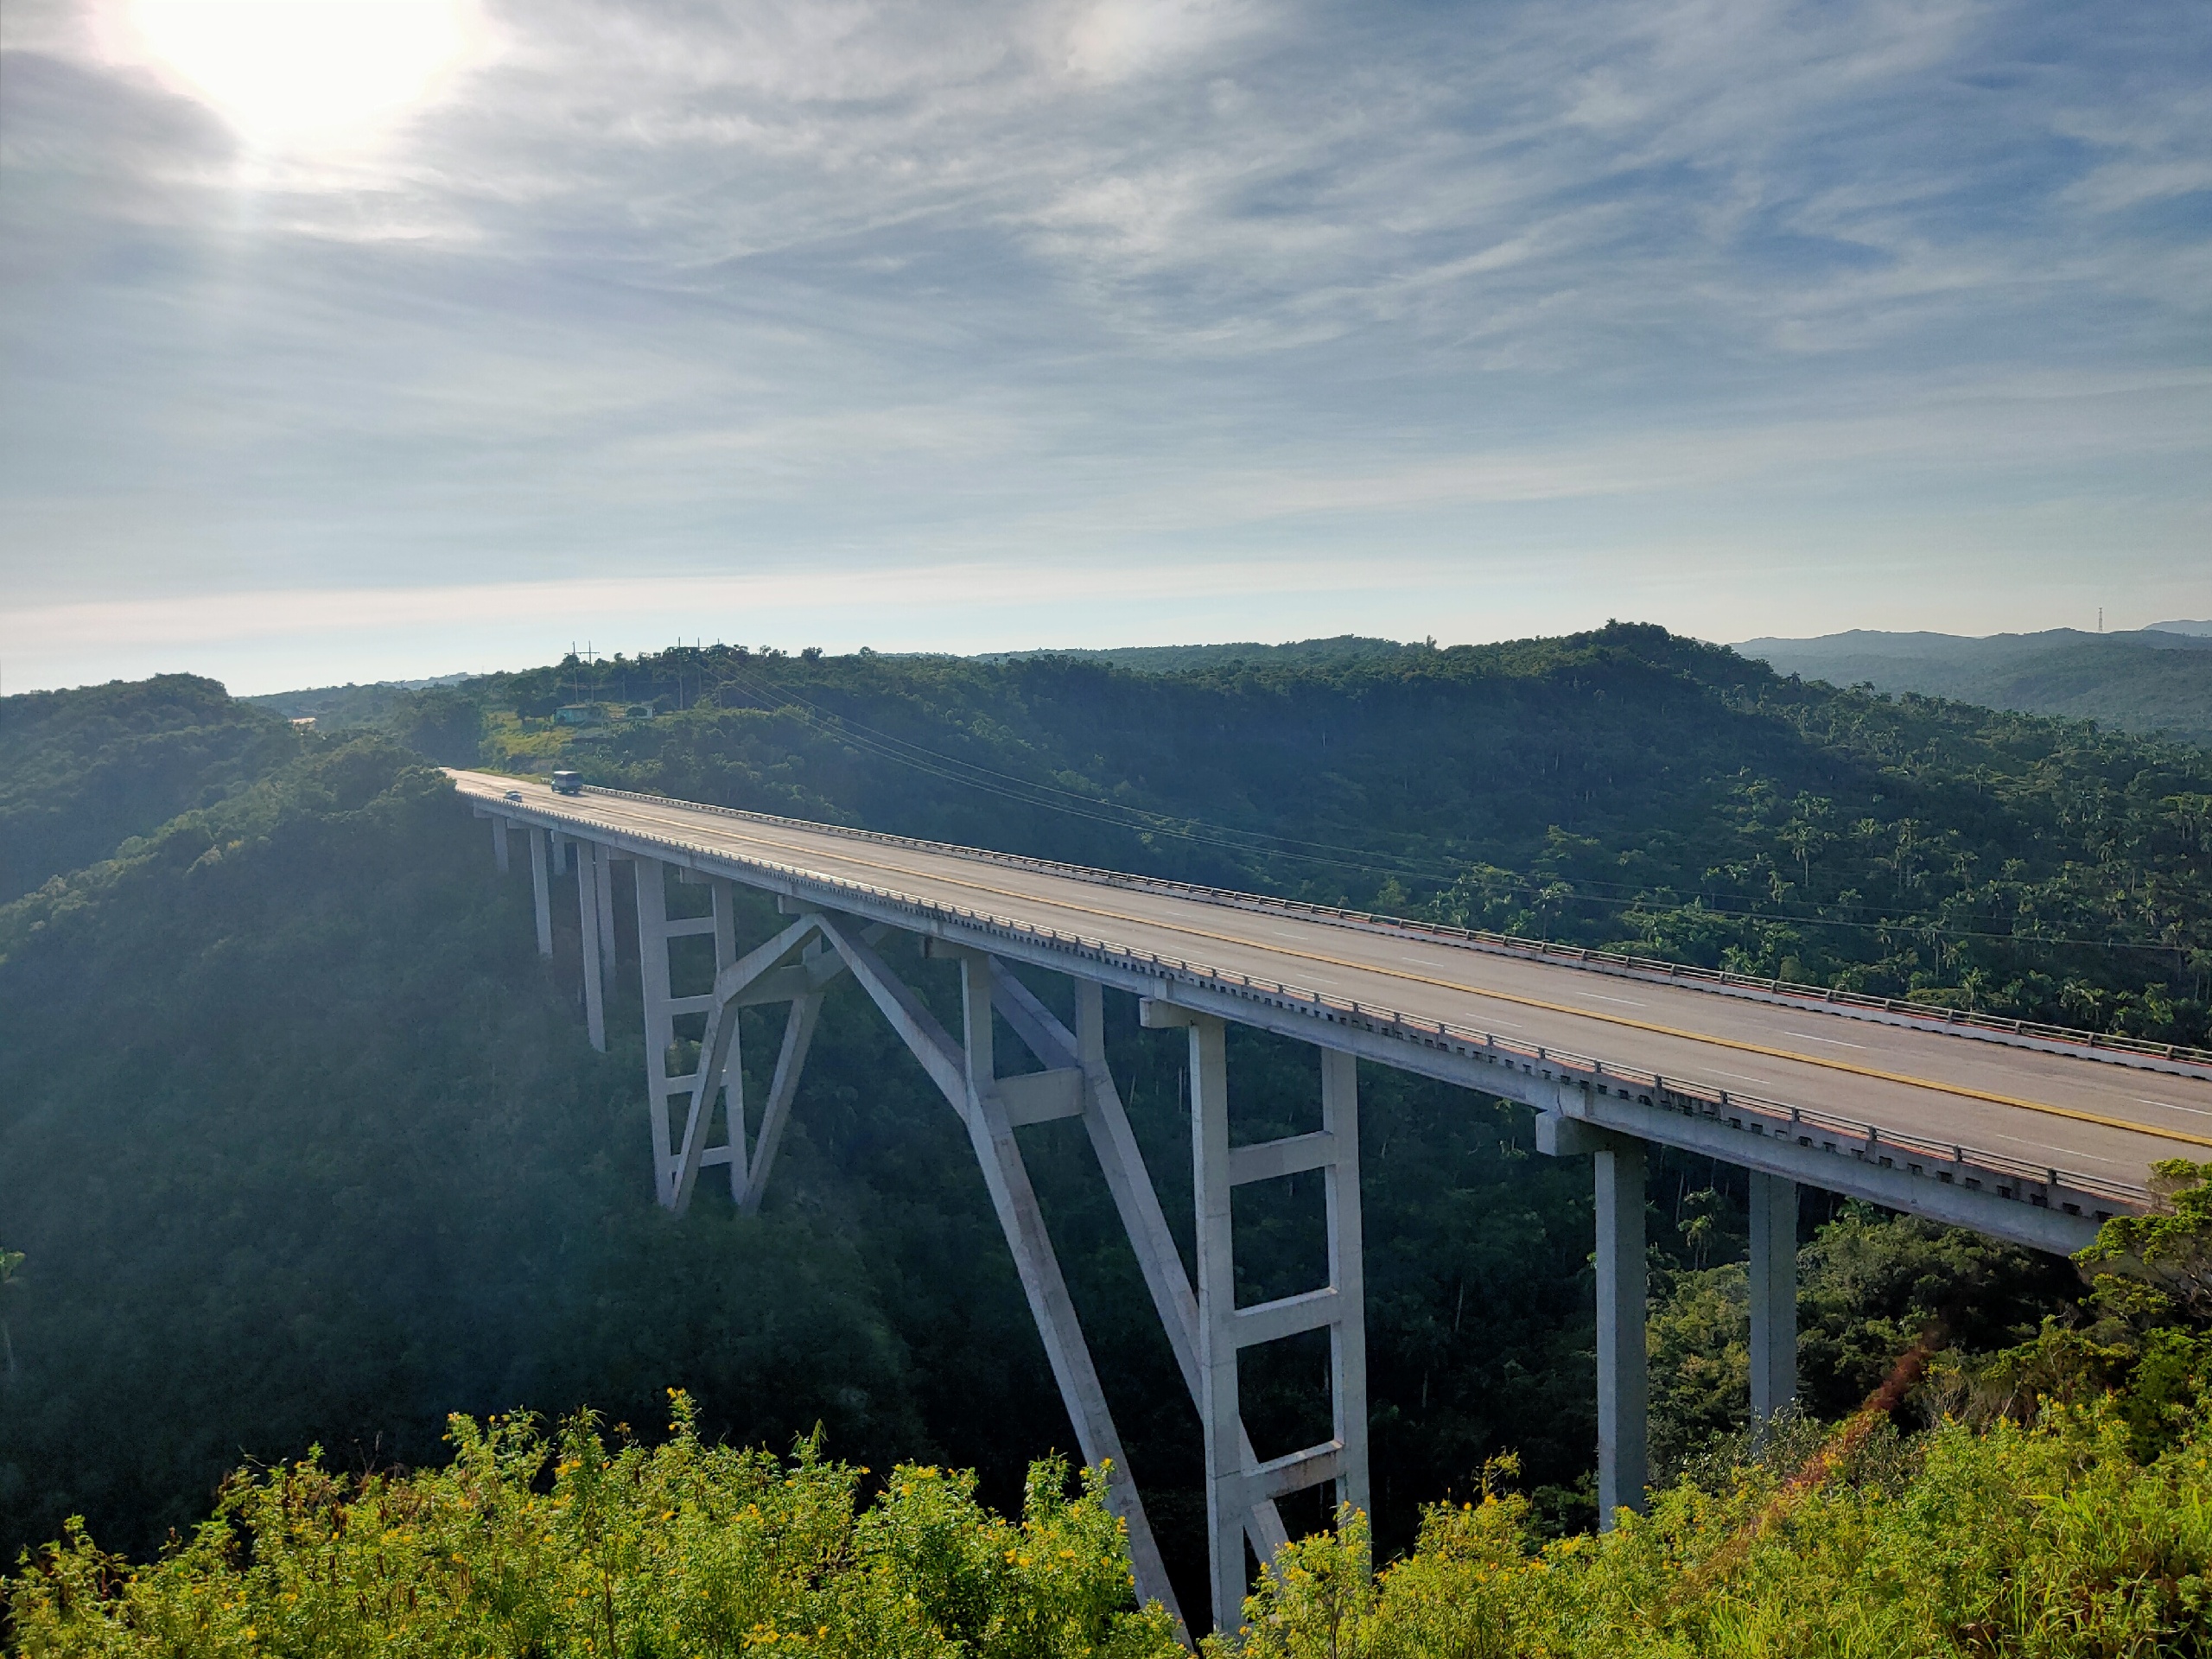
(963, 1072)
(1234, 1482)
(1135, 1197)
(1205, 1329)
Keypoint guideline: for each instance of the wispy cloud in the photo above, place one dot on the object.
(778, 292)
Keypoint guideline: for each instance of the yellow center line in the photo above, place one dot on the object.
(1741, 1047)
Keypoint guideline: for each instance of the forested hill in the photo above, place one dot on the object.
(1626, 787)
(301, 1142)
(1336, 651)
(81, 771)
(2146, 680)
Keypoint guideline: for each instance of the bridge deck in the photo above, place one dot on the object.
(2106, 1117)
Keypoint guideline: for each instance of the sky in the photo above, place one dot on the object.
(349, 340)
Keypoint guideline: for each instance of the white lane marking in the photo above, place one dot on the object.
(1626, 1003)
(1743, 1076)
(2172, 1106)
(2066, 1152)
(1807, 1037)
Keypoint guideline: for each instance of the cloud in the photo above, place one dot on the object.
(755, 288)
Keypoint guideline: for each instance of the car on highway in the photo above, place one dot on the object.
(515, 795)
(567, 783)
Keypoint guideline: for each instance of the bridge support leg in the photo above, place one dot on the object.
(1015, 1201)
(1218, 1407)
(660, 1019)
(499, 844)
(965, 1072)
(1121, 1162)
(587, 875)
(561, 844)
(603, 884)
(799, 1036)
(540, 891)
(1347, 1275)
(1774, 1296)
(1623, 1379)
(1235, 1483)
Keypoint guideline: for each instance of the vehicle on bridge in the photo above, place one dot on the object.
(567, 783)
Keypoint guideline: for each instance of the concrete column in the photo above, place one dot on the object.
(1774, 1295)
(1623, 1382)
(605, 884)
(560, 854)
(724, 895)
(499, 844)
(588, 915)
(1038, 1268)
(541, 891)
(652, 973)
(1142, 1218)
(1227, 1501)
(1348, 1336)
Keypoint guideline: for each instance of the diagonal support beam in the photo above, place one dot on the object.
(963, 1071)
(917, 1026)
(718, 1071)
(798, 1035)
(1121, 1162)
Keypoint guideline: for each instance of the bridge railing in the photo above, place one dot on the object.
(1931, 1014)
(1976, 1168)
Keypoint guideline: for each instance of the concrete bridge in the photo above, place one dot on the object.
(2026, 1133)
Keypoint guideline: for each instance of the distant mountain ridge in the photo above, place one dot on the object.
(2150, 680)
(1177, 659)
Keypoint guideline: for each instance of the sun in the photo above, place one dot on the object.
(284, 71)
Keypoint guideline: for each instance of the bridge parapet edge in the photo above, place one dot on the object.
(2096, 1047)
(1945, 1181)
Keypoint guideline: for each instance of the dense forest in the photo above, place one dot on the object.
(300, 1143)
(2157, 679)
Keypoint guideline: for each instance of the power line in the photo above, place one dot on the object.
(950, 769)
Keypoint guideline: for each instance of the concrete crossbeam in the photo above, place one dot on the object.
(1286, 1316)
(1041, 1096)
(1272, 1160)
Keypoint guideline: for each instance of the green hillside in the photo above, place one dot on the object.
(2152, 681)
(81, 771)
(1342, 649)
(302, 1144)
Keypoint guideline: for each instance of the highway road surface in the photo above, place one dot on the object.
(2098, 1116)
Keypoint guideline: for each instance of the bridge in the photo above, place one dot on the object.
(2026, 1132)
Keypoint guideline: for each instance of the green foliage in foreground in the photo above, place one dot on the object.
(686, 1548)
(2044, 1539)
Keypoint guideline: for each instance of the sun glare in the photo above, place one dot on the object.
(282, 71)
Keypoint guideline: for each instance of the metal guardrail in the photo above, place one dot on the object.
(2095, 1044)
(1973, 1167)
